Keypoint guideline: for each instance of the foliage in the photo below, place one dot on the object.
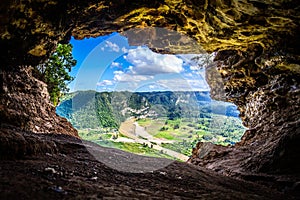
(174, 112)
(137, 101)
(105, 112)
(55, 71)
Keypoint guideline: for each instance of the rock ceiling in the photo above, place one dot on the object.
(31, 29)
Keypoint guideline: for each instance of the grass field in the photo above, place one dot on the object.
(105, 139)
(186, 132)
(134, 148)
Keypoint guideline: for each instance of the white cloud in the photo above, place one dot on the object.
(118, 72)
(105, 83)
(146, 62)
(116, 65)
(112, 46)
(128, 86)
(124, 50)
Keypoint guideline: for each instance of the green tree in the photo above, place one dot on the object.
(55, 71)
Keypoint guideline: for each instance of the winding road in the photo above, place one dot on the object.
(131, 129)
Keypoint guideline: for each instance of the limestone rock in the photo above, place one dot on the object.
(25, 104)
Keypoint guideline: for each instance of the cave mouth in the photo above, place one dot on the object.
(258, 55)
(134, 99)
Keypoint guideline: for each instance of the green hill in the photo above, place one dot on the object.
(90, 109)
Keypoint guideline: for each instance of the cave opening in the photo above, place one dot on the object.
(146, 101)
(257, 47)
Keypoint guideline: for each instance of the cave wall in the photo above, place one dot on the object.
(258, 60)
(266, 89)
(25, 104)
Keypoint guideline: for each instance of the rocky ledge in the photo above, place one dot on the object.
(51, 166)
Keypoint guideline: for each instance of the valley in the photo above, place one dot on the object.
(157, 124)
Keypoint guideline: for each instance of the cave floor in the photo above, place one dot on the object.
(71, 172)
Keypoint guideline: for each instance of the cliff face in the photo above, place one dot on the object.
(258, 60)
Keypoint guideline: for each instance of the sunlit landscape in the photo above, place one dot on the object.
(144, 102)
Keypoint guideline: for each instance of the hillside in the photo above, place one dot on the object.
(90, 109)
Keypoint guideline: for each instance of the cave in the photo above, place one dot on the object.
(256, 67)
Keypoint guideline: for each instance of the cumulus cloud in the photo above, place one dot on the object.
(146, 62)
(115, 65)
(126, 86)
(105, 83)
(112, 46)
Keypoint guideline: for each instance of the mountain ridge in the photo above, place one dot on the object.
(111, 108)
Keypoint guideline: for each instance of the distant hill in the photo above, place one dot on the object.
(90, 109)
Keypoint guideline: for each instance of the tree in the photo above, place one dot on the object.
(174, 112)
(176, 126)
(55, 71)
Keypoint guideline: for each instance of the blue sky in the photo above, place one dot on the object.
(108, 63)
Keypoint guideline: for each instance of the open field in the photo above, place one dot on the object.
(166, 138)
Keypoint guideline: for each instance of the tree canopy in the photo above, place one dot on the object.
(55, 71)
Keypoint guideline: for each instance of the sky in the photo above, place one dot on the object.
(109, 63)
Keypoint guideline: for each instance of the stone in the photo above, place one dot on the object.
(26, 104)
(257, 68)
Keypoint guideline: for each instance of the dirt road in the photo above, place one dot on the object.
(133, 130)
